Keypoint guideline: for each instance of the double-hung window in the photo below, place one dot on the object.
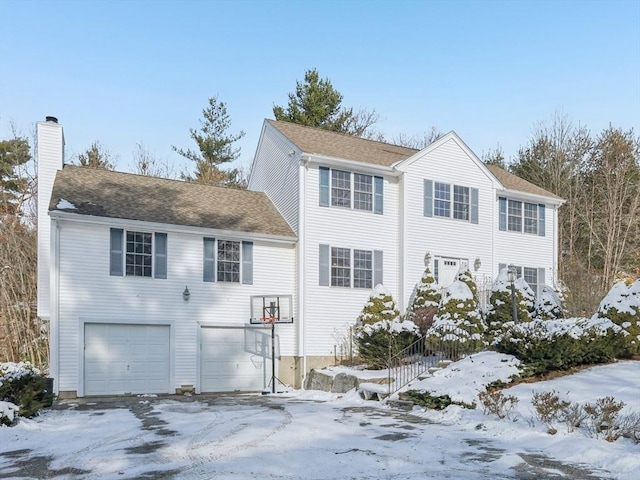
(535, 277)
(362, 192)
(442, 200)
(362, 268)
(346, 267)
(227, 261)
(339, 188)
(137, 254)
(519, 216)
(340, 267)
(450, 201)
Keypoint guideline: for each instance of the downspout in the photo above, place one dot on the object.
(302, 289)
(54, 299)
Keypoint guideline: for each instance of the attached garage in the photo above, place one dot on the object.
(121, 359)
(234, 359)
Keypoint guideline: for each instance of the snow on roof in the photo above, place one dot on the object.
(65, 205)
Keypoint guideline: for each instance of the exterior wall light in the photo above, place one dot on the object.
(477, 264)
(186, 294)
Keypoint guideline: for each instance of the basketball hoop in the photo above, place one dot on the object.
(269, 320)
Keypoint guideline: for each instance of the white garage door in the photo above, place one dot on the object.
(234, 359)
(120, 359)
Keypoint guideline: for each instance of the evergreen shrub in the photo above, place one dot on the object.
(545, 345)
(24, 385)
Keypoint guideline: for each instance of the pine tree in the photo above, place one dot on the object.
(380, 306)
(459, 320)
(622, 306)
(381, 333)
(425, 302)
(500, 309)
(548, 305)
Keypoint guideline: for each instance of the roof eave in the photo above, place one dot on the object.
(533, 196)
(123, 222)
(316, 158)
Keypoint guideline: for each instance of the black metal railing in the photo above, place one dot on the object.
(420, 356)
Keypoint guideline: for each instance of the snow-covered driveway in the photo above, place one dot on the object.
(260, 437)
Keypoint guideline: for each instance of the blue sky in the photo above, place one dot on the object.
(139, 71)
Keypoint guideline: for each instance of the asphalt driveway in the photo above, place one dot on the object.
(256, 437)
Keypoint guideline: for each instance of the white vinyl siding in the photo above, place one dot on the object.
(329, 310)
(88, 292)
(276, 171)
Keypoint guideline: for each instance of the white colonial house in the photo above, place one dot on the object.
(151, 285)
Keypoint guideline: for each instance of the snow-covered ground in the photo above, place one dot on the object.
(317, 435)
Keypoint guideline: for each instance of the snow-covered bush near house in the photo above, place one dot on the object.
(621, 305)
(23, 385)
(545, 345)
(11, 371)
(548, 305)
(500, 308)
(377, 342)
(380, 306)
(425, 302)
(458, 320)
(464, 275)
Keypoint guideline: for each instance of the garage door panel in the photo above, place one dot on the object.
(229, 361)
(123, 358)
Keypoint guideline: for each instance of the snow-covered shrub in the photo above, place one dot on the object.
(8, 413)
(380, 306)
(622, 306)
(548, 305)
(545, 345)
(425, 301)
(23, 385)
(500, 308)
(379, 341)
(458, 321)
(465, 276)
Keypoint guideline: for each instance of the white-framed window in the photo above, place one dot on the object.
(461, 202)
(340, 267)
(532, 275)
(362, 269)
(347, 267)
(521, 216)
(450, 201)
(340, 188)
(357, 191)
(227, 261)
(137, 254)
(442, 200)
(362, 192)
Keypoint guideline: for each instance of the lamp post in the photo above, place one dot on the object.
(511, 275)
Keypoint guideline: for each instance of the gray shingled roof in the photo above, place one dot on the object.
(110, 194)
(513, 182)
(338, 145)
(331, 144)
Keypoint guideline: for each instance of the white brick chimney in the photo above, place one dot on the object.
(50, 157)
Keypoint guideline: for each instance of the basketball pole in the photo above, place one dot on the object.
(273, 357)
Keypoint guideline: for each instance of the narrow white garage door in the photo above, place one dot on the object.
(234, 359)
(121, 359)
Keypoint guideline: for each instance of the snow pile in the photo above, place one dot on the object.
(65, 205)
(8, 412)
(463, 380)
